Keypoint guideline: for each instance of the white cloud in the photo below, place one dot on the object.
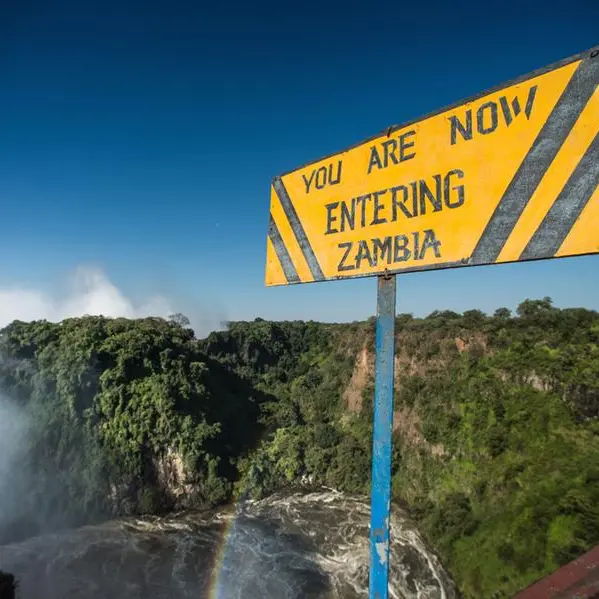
(90, 293)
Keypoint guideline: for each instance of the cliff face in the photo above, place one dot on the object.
(496, 428)
(115, 417)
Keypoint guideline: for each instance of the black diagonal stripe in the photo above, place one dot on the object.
(298, 230)
(566, 209)
(282, 253)
(579, 90)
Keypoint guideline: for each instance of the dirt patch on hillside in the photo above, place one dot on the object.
(363, 371)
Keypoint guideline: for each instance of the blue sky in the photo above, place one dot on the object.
(141, 138)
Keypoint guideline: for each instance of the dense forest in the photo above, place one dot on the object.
(496, 449)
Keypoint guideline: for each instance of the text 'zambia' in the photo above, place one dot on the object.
(507, 176)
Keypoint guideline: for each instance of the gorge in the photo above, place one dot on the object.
(136, 443)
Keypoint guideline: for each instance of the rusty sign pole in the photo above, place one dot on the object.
(380, 502)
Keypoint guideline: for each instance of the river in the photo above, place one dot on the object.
(297, 546)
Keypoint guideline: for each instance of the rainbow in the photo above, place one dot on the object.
(215, 590)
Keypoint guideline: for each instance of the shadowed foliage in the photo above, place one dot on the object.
(8, 586)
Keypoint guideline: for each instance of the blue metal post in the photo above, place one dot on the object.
(382, 438)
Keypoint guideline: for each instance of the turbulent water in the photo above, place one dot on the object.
(301, 546)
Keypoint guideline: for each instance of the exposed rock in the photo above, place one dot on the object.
(474, 342)
(363, 371)
(171, 478)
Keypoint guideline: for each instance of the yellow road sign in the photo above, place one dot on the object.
(509, 175)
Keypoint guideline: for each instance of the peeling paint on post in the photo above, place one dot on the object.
(382, 438)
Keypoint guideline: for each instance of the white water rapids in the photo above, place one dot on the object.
(299, 546)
